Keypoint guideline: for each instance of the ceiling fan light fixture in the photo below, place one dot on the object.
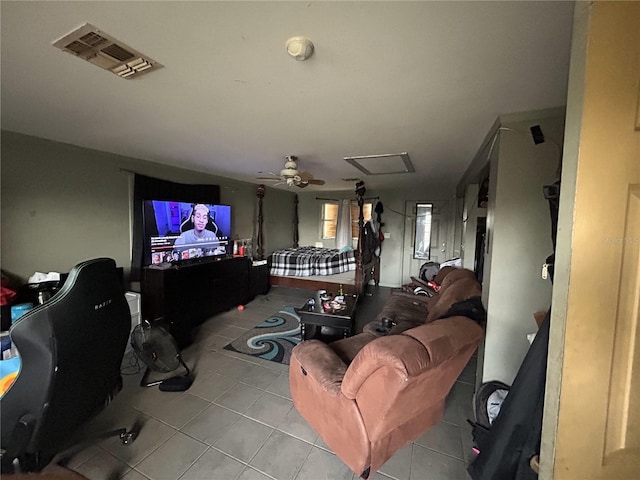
(300, 48)
(291, 176)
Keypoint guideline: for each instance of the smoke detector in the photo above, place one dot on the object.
(299, 48)
(96, 47)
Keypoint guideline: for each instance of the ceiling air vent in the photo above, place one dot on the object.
(101, 49)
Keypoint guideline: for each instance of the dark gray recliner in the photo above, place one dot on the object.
(71, 349)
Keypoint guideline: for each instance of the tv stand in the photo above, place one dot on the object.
(184, 296)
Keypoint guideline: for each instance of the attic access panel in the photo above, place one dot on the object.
(384, 164)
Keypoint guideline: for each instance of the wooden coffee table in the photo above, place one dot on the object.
(317, 316)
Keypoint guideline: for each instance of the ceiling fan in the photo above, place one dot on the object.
(292, 176)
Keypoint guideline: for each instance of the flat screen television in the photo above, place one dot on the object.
(181, 231)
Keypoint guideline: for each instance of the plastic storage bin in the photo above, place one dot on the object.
(134, 301)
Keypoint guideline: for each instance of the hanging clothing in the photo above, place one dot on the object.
(514, 436)
(370, 242)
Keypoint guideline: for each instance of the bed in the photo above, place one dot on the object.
(312, 268)
(311, 261)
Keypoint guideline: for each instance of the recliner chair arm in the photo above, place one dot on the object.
(321, 363)
(400, 353)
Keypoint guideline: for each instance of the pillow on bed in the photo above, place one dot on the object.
(347, 248)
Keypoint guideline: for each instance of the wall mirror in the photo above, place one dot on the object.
(422, 236)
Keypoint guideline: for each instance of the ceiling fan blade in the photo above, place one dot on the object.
(273, 179)
(315, 181)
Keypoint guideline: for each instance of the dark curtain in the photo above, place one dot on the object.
(149, 188)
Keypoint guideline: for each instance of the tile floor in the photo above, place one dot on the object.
(238, 422)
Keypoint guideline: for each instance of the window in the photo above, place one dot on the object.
(329, 220)
(422, 243)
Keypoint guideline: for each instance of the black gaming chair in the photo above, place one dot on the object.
(71, 350)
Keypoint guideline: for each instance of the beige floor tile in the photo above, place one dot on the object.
(176, 408)
(399, 465)
(251, 474)
(228, 365)
(207, 361)
(294, 424)
(269, 409)
(260, 377)
(118, 414)
(151, 435)
(275, 366)
(281, 386)
(239, 397)
(380, 476)
(216, 342)
(134, 475)
(239, 383)
(232, 331)
(322, 465)
(236, 367)
(427, 464)
(211, 386)
(211, 424)
(443, 438)
(77, 458)
(320, 444)
(244, 440)
(103, 466)
(242, 356)
(451, 410)
(214, 465)
(281, 456)
(172, 459)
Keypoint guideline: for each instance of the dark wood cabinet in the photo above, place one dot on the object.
(184, 296)
(258, 280)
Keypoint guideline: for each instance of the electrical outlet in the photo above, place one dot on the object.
(387, 234)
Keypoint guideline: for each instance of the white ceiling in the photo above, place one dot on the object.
(428, 78)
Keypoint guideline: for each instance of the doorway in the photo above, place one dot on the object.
(591, 426)
(478, 258)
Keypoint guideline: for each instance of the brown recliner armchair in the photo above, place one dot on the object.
(389, 393)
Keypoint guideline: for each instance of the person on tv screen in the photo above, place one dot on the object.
(199, 233)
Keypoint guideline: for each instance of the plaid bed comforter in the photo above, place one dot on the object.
(307, 261)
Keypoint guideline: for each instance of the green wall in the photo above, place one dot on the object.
(393, 200)
(63, 204)
(518, 235)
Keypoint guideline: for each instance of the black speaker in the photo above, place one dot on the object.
(536, 133)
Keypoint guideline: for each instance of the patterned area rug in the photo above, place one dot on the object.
(273, 339)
